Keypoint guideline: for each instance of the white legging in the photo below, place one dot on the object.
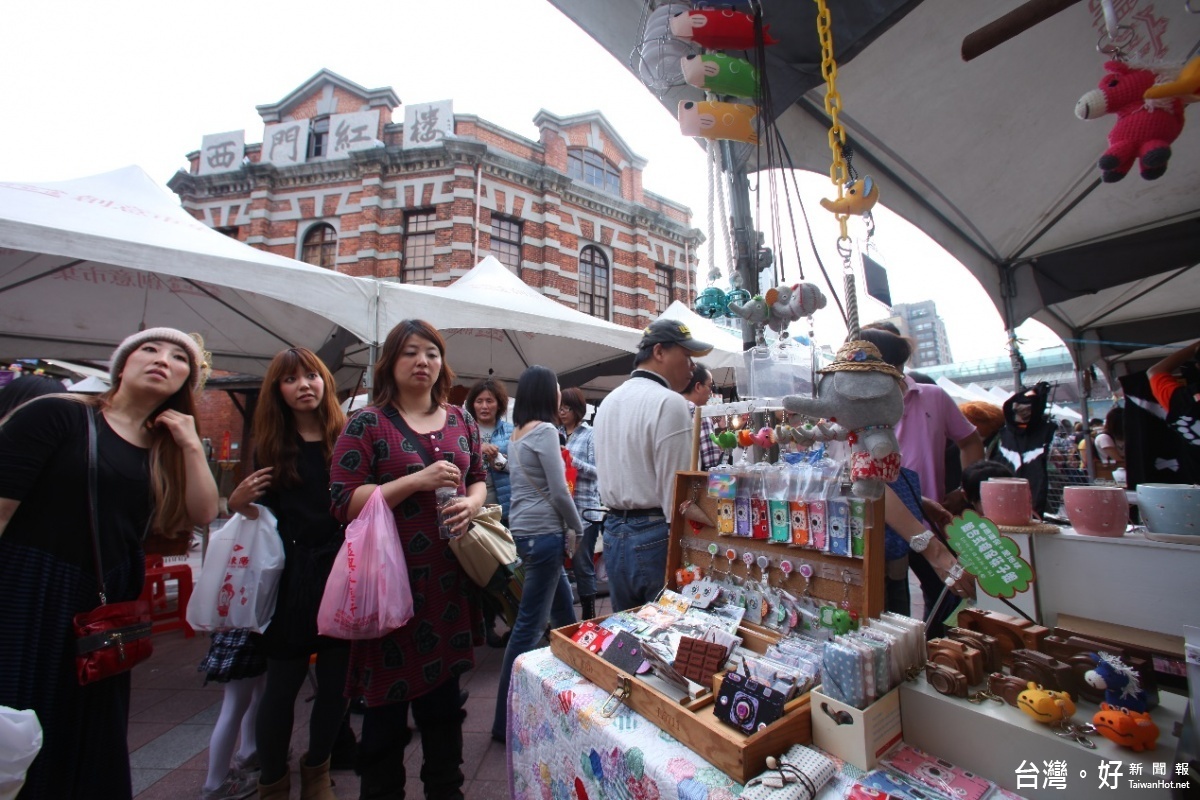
(239, 710)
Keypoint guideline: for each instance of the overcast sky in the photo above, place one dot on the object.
(90, 87)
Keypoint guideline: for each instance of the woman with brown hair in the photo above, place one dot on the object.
(296, 422)
(152, 477)
(408, 443)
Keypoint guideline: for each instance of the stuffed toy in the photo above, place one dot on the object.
(791, 303)
(712, 303)
(1132, 729)
(859, 198)
(721, 74)
(1144, 129)
(714, 120)
(754, 310)
(1044, 705)
(1122, 688)
(717, 29)
(861, 393)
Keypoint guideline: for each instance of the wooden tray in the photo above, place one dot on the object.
(692, 722)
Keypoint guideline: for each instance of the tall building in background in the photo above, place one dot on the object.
(337, 183)
(921, 323)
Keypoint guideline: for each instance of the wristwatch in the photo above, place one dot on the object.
(919, 542)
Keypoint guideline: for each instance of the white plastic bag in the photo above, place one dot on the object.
(368, 593)
(240, 580)
(20, 741)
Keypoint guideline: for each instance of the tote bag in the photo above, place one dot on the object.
(368, 593)
(239, 583)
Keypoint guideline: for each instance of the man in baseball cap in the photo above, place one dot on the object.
(642, 438)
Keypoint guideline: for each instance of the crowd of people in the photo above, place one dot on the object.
(315, 470)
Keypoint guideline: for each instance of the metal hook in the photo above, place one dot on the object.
(1110, 46)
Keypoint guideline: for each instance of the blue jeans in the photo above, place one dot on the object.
(582, 562)
(635, 553)
(546, 596)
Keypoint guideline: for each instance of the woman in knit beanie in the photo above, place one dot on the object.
(151, 475)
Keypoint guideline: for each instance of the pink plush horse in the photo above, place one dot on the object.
(1144, 128)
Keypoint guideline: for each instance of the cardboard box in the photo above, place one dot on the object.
(692, 722)
(859, 736)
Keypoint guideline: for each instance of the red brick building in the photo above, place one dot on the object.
(345, 180)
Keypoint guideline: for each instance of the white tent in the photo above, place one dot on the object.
(986, 156)
(727, 348)
(511, 326)
(84, 263)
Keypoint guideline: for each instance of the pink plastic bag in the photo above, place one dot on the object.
(367, 594)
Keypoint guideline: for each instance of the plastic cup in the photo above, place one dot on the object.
(446, 497)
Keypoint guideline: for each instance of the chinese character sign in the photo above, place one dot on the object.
(350, 132)
(425, 125)
(994, 559)
(286, 143)
(222, 152)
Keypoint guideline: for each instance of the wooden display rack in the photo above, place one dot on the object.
(692, 722)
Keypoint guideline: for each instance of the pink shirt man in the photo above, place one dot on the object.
(930, 418)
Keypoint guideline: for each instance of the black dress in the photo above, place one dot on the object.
(47, 571)
(311, 540)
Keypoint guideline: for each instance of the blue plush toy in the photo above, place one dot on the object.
(1120, 683)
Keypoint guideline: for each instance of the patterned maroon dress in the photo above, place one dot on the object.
(437, 643)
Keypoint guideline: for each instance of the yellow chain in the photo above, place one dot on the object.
(838, 172)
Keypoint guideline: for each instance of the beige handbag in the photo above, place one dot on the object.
(486, 546)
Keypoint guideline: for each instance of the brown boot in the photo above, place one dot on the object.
(314, 781)
(279, 790)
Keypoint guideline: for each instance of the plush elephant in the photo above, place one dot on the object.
(755, 310)
(862, 394)
(791, 303)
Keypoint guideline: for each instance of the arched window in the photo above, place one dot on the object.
(320, 247)
(593, 282)
(593, 169)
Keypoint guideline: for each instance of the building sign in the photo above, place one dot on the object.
(285, 143)
(350, 132)
(222, 152)
(427, 124)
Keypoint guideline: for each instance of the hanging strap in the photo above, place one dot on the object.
(93, 522)
(408, 433)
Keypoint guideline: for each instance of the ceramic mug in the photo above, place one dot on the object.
(1007, 501)
(1097, 510)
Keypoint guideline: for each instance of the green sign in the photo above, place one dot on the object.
(994, 559)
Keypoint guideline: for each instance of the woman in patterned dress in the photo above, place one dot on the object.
(419, 664)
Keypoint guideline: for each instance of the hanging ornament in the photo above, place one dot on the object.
(720, 74)
(715, 120)
(718, 29)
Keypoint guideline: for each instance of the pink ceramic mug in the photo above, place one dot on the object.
(1097, 510)
(1007, 501)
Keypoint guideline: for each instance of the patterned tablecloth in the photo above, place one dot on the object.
(561, 748)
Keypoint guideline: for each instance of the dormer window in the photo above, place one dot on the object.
(593, 169)
(318, 137)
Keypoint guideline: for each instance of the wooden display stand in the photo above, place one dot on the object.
(692, 722)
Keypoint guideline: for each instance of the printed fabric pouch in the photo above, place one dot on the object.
(799, 774)
(842, 676)
(368, 594)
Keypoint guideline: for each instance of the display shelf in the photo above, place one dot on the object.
(1127, 580)
(993, 740)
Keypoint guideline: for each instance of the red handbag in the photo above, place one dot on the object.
(113, 637)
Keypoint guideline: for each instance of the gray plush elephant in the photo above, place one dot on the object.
(862, 394)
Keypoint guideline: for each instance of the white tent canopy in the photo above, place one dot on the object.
(496, 325)
(987, 157)
(84, 263)
(727, 348)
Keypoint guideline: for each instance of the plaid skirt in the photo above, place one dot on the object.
(234, 655)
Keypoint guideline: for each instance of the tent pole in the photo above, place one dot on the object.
(745, 239)
(1008, 288)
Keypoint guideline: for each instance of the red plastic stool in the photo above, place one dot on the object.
(163, 617)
